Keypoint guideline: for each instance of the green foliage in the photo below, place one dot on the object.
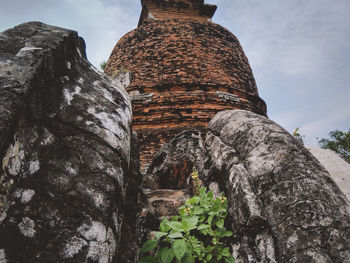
(103, 64)
(195, 235)
(298, 135)
(339, 142)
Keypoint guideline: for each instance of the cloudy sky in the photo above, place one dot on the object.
(299, 49)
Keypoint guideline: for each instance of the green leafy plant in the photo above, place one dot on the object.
(103, 64)
(298, 135)
(195, 235)
(339, 142)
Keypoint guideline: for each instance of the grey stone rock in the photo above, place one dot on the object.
(164, 202)
(2, 256)
(172, 165)
(65, 149)
(337, 167)
(283, 205)
(131, 228)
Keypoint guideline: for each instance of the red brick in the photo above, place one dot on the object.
(184, 63)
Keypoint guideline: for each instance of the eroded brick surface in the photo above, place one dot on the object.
(183, 72)
(181, 9)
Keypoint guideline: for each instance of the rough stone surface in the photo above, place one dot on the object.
(65, 150)
(164, 202)
(337, 167)
(172, 165)
(131, 227)
(283, 204)
(158, 204)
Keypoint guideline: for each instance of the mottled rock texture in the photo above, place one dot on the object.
(65, 150)
(283, 203)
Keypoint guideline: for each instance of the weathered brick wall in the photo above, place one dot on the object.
(183, 73)
(168, 113)
(195, 10)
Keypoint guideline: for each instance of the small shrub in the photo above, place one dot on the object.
(103, 64)
(298, 135)
(339, 142)
(195, 235)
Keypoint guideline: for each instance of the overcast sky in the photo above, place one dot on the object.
(299, 50)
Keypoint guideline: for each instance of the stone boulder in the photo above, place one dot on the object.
(164, 202)
(173, 163)
(337, 167)
(65, 150)
(283, 205)
(131, 228)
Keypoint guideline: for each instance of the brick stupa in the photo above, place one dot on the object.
(184, 69)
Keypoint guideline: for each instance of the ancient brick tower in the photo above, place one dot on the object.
(184, 70)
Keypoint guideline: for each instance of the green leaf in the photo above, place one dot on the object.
(219, 232)
(164, 227)
(226, 252)
(209, 249)
(176, 235)
(149, 245)
(179, 248)
(148, 259)
(205, 231)
(210, 219)
(166, 255)
(227, 234)
(177, 226)
(174, 218)
(220, 223)
(193, 201)
(202, 226)
(189, 223)
(198, 211)
(160, 234)
(188, 259)
(230, 260)
(209, 257)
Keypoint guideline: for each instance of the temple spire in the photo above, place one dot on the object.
(176, 9)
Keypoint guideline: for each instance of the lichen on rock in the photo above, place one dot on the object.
(283, 204)
(65, 134)
(27, 227)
